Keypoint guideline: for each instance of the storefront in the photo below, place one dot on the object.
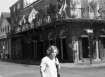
(70, 36)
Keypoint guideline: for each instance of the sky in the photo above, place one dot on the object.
(6, 4)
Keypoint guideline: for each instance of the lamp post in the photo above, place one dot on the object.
(90, 31)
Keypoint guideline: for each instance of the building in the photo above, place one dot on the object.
(5, 30)
(16, 15)
(76, 27)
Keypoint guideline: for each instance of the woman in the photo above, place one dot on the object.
(49, 62)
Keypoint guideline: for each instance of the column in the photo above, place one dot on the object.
(97, 51)
(77, 53)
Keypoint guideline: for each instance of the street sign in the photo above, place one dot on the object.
(89, 30)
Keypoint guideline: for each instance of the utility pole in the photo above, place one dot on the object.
(90, 31)
(89, 36)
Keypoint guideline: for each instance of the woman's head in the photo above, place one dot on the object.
(52, 51)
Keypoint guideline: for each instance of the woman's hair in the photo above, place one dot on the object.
(51, 49)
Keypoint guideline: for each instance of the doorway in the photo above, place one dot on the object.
(50, 42)
(63, 49)
(40, 50)
(23, 53)
(85, 47)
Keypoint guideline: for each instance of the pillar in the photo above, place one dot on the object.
(97, 51)
(77, 53)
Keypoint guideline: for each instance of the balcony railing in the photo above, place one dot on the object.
(3, 35)
(41, 20)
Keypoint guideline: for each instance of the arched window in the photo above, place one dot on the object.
(49, 35)
(62, 33)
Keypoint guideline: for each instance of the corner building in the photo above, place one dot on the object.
(77, 36)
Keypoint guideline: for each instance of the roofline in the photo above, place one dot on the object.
(14, 4)
(2, 13)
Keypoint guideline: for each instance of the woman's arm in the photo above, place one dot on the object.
(57, 63)
(42, 71)
(43, 67)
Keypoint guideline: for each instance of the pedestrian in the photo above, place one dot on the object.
(1, 55)
(48, 63)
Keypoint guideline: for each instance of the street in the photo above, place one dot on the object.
(8, 69)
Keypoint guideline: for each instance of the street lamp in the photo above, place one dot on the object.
(90, 31)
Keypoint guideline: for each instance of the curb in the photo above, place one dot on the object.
(81, 66)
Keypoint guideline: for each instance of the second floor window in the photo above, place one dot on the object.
(1, 29)
(5, 29)
(59, 6)
(47, 6)
(18, 6)
(59, 0)
(8, 28)
(14, 9)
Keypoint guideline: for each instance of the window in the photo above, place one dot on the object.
(14, 9)
(18, 6)
(59, 0)
(59, 6)
(8, 28)
(6, 46)
(47, 8)
(28, 2)
(1, 29)
(5, 29)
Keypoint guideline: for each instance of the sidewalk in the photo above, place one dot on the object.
(85, 64)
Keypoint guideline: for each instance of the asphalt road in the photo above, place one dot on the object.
(22, 70)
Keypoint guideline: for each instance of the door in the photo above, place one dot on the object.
(58, 44)
(35, 49)
(63, 49)
(80, 48)
(102, 47)
(85, 47)
(40, 50)
(23, 45)
(51, 42)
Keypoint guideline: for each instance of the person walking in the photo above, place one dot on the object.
(48, 63)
